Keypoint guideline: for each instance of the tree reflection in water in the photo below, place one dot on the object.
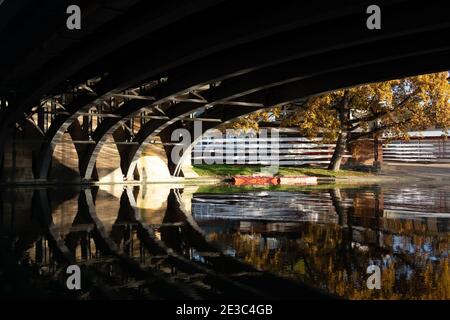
(127, 239)
(405, 231)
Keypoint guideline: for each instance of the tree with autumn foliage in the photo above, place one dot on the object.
(252, 120)
(390, 107)
(343, 116)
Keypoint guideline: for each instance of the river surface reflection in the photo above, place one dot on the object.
(323, 236)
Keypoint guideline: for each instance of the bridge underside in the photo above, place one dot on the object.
(90, 104)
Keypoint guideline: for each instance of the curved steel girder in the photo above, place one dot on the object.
(289, 92)
(59, 126)
(183, 48)
(296, 44)
(46, 152)
(427, 62)
(156, 128)
(340, 31)
(61, 123)
(175, 87)
(312, 66)
(277, 75)
(152, 129)
(89, 158)
(215, 112)
(381, 71)
(108, 126)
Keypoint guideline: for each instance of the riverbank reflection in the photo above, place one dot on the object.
(327, 238)
(323, 236)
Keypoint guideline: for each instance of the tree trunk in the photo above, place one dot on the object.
(339, 152)
(338, 205)
(341, 144)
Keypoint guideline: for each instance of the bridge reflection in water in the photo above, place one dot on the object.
(157, 241)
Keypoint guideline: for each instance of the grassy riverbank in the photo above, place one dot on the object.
(227, 188)
(224, 170)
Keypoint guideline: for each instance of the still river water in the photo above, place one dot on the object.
(322, 236)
